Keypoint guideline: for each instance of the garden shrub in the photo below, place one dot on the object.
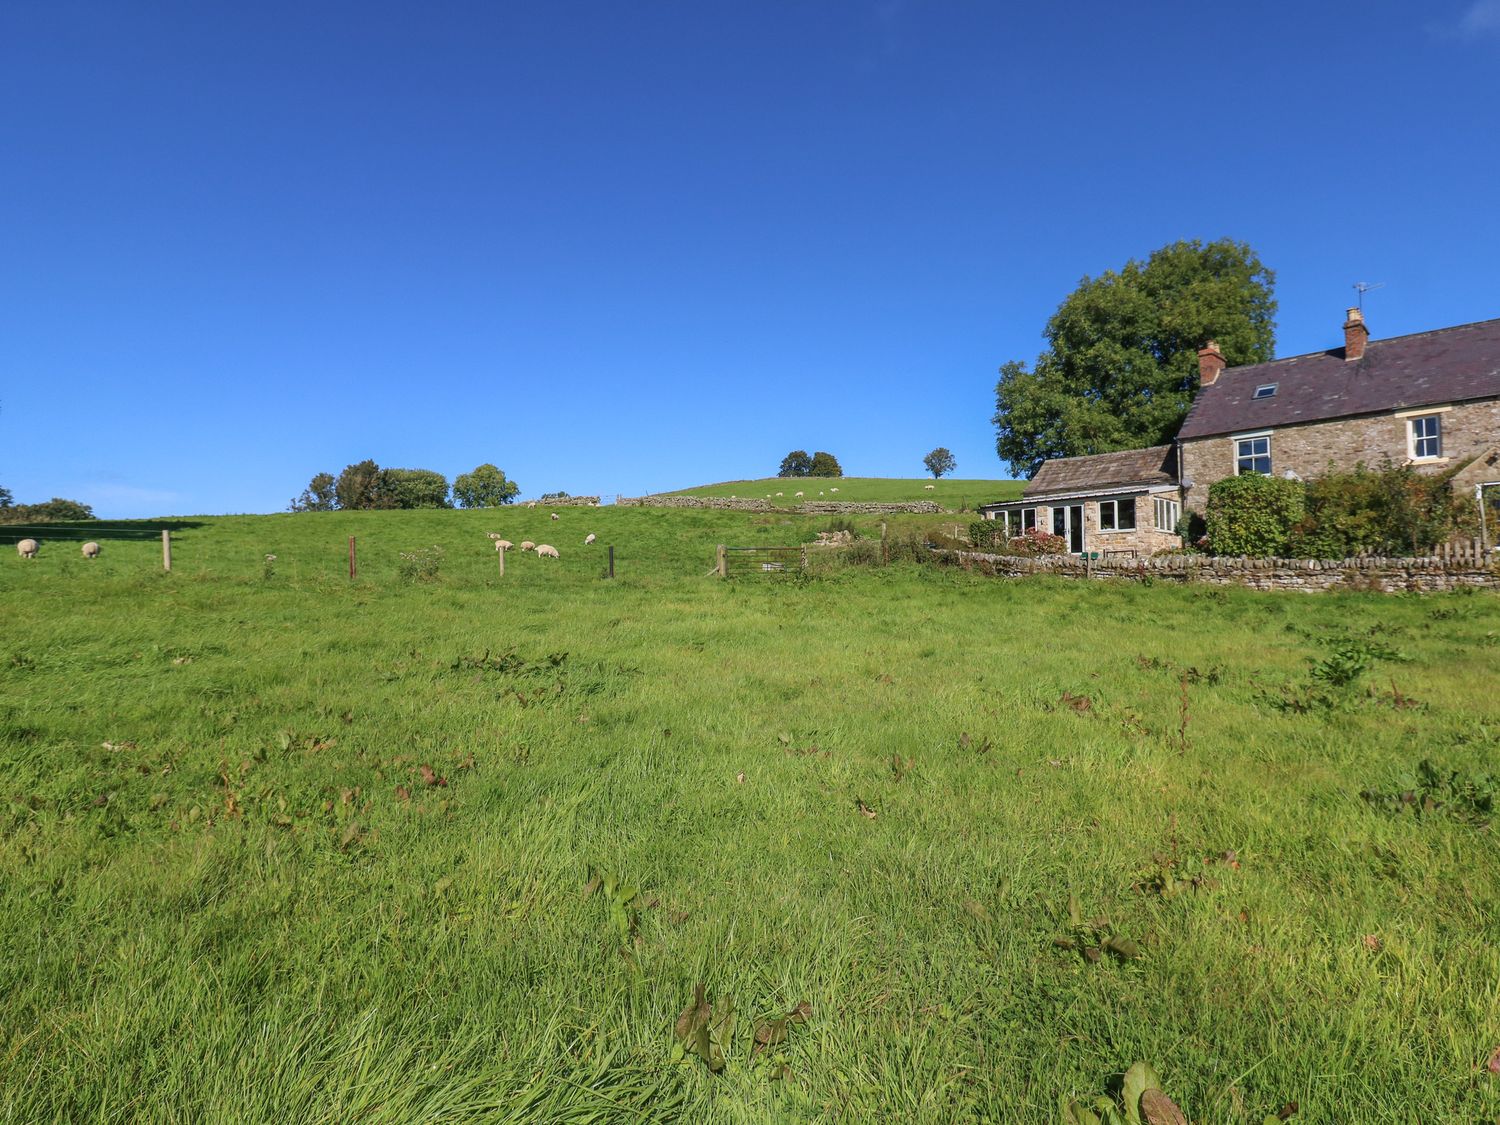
(1252, 514)
(1394, 510)
(989, 535)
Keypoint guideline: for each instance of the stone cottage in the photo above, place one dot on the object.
(1430, 400)
(1127, 502)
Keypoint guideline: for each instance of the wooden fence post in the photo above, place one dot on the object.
(166, 550)
(352, 567)
(722, 562)
(611, 560)
(885, 551)
(500, 554)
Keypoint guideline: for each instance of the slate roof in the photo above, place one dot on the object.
(1104, 471)
(1424, 369)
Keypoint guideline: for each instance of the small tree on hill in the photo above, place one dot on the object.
(6, 499)
(940, 461)
(485, 487)
(795, 464)
(320, 495)
(824, 465)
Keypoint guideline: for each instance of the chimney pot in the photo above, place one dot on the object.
(1356, 335)
(1210, 363)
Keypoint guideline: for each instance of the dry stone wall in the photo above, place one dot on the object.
(1466, 568)
(807, 507)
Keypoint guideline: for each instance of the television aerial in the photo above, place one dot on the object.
(1363, 287)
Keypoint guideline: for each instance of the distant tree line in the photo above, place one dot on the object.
(365, 486)
(49, 511)
(798, 464)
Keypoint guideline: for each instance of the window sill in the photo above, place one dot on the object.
(1115, 531)
(1428, 460)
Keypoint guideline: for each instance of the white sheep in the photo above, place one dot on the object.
(589, 538)
(527, 545)
(91, 550)
(546, 551)
(781, 494)
(796, 494)
(833, 490)
(554, 515)
(26, 548)
(493, 534)
(820, 492)
(503, 545)
(531, 503)
(929, 487)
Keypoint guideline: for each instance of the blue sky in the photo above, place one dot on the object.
(618, 246)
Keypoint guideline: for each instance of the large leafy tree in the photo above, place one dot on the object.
(417, 488)
(485, 487)
(363, 485)
(795, 464)
(825, 465)
(1121, 365)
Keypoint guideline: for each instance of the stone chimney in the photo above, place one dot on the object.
(1210, 363)
(1355, 335)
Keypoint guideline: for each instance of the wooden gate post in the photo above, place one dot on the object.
(722, 563)
(352, 567)
(166, 550)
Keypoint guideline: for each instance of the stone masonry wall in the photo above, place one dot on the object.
(1311, 449)
(807, 507)
(1460, 569)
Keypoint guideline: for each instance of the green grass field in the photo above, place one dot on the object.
(283, 847)
(952, 494)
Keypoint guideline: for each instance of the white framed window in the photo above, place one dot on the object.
(1424, 435)
(1265, 390)
(1019, 522)
(1165, 513)
(1117, 515)
(1252, 454)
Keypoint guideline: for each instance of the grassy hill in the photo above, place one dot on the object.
(283, 846)
(952, 494)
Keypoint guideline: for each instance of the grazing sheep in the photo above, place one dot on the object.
(929, 487)
(26, 548)
(546, 551)
(820, 492)
(531, 503)
(503, 544)
(589, 538)
(781, 494)
(833, 490)
(91, 550)
(796, 494)
(554, 515)
(493, 534)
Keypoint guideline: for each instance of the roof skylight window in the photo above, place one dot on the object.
(1265, 390)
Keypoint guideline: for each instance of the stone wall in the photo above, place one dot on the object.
(739, 504)
(1311, 449)
(1450, 571)
(807, 507)
(566, 502)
